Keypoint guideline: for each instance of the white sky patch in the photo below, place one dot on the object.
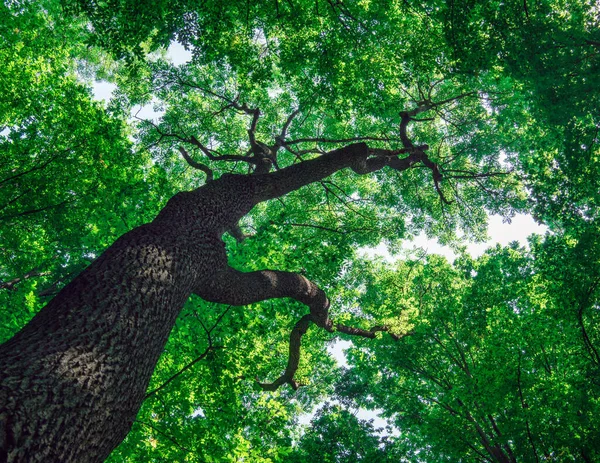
(147, 112)
(363, 414)
(380, 250)
(378, 422)
(103, 90)
(503, 160)
(198, 413)
(305, 418)
(178, 54)
(338, 350)
(274, 92)
(503, 233)
(485, 102)
(518, 229)
(499, 231)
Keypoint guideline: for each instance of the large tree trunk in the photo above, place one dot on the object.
(74, 378)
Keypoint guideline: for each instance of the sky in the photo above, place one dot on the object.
(499, 231)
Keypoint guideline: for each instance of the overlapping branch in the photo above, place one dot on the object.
(241, 288)
(264, 156)
(376, 159)
(319, 315)
(406, 117)
(323, 321)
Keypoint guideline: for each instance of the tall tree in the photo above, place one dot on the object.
(85, 360)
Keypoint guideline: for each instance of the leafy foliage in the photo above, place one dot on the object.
(499, 364)
(498, 356)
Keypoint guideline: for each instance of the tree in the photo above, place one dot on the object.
(93, 348)
(499, 366)
(336, 435)
(364, 139)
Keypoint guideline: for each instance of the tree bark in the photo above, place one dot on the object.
(74, 378)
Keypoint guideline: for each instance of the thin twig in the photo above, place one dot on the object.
(202, 356)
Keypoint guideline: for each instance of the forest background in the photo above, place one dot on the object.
(488, 358)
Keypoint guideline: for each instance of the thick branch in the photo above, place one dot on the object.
(293, 359)
(252, 130)
(239, 288)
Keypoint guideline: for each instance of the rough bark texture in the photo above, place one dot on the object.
(74, 378)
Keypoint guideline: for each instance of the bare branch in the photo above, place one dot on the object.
(370, 333)
(35, 211)
(252, 130)
(221, 157)
(339, 140)
(465, 174)
(320, 227)
(280, 140)
(196, 165)
(406, 117)
(231, 103)
(300, 329)
(341, 200)
(426, 104)
(194, 141)
(41, 165)
(437, 177)
(524, 406)
(202, 356)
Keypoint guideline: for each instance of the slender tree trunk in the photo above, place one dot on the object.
(74, 378)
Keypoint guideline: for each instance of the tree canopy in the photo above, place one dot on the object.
(465, 108)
